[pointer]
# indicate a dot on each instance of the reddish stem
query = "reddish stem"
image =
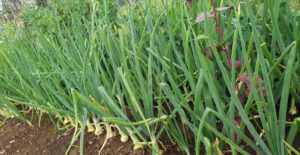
(216, 18)
(219, 29)
(224, 49)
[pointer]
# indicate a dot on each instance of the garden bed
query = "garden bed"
(208, 77)
(17, 137)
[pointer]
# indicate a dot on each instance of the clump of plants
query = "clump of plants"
(213, 76)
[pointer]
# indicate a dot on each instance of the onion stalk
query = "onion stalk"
(66, 120)
(98, 128)
(124, 136)
(72, 121)
(110, 133)
(135, 140)
(90, 126)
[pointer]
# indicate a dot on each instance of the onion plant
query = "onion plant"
(211, 75)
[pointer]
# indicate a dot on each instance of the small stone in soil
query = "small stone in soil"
(2, 151)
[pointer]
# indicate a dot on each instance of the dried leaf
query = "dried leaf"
(201, 17)
(259, 82)
(222, 8)
(238, 63)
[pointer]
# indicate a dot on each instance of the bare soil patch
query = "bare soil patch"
(18, 138)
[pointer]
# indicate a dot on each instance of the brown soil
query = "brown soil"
(18, 138)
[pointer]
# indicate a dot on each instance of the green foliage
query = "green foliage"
(41, 19)
(143, 67)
